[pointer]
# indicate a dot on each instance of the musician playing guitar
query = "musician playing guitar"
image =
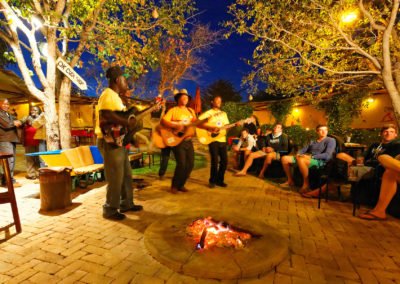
(217, 148)
(178, 119)
(117, 169)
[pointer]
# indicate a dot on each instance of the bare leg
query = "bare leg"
(345, 157)
(286, 161)
(390, 163)
(249, 162)
(388, 190)
(268, 160)
(304, 162)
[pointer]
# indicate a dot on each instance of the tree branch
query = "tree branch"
(370, 18)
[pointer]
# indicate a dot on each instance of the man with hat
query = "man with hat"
(179, 118)
(117, 169)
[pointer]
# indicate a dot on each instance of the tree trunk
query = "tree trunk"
(64, 110)
(393, 93)
(51, 123)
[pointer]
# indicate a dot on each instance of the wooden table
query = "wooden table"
(9, 195)
(352, 148)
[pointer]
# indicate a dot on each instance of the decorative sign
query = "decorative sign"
(64, 67)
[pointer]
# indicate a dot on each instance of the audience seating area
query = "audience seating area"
(86, 163)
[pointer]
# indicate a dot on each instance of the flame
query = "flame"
(209, 233)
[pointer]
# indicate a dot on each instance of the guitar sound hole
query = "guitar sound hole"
(213, 135)
(180, 134)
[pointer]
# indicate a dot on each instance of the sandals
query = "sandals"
(370, 216)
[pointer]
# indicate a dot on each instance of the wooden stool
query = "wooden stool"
(9, 196)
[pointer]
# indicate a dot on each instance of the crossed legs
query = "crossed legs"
(390, 178)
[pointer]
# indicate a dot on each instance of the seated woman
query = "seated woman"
(275, 143)
(390, 179)
(246, 145)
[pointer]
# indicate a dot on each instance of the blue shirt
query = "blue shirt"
(322, 150)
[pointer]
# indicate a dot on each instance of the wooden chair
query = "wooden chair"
(9, 195)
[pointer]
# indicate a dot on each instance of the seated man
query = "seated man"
(317, 153)
(390, 179)
(388, 133)
(246, 145)
(275, 143)
(387, 145)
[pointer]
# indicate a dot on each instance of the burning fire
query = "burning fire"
(208, 233)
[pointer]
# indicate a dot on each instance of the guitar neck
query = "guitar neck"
(146, 111)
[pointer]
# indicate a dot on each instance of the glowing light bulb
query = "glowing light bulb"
(349, 17)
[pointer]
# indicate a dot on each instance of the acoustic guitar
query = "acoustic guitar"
(121, 135)
(206, 137)
(164, 136)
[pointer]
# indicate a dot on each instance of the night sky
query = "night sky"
(224, 61)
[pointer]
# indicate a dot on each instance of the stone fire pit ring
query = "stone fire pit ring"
(167, 241)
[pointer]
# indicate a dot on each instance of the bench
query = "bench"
(84, 169)
(86, 162)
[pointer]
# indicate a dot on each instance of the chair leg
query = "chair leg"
(319, 196)
(326, 190)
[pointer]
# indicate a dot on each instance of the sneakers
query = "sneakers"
(135, 208)
(183, 189)
(116, 217)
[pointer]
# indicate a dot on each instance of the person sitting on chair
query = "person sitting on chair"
(387, 145)
(390, 179)
(246, 145)
(316, 153)
(388, 134)
(275, 143)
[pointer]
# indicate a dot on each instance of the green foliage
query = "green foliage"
(303, 48)
(341, 109)
(299, 135)
(223, 88)
(236, 112)
(281, 109)
(365, 136)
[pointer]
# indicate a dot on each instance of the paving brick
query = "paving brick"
(95, 278)
(41, 278)
(327, 245)
(47, 267)
(73, 277)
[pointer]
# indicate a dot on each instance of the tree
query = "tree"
(313, 46)
(180, 57)
(115, 31)
(223, 88)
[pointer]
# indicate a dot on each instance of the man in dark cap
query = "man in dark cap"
(117, 168)
(178, 118)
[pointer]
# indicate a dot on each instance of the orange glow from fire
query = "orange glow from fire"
(209, 233)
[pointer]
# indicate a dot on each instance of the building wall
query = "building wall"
(81, 115)
(374, 115)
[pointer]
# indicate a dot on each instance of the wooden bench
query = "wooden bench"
(86, 163)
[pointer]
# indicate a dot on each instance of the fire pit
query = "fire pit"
(187, 244)
(209, 233)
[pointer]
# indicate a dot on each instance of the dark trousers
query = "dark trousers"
(218, 152)
(164, 158)
(184, 156)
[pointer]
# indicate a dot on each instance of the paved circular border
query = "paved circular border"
(166, 241)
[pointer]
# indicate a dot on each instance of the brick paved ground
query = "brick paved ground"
(77, 245)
